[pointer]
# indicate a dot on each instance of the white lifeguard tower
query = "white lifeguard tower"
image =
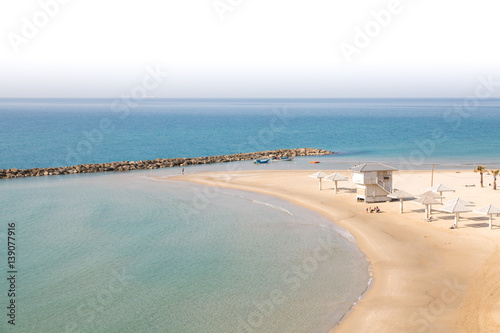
(373, 181)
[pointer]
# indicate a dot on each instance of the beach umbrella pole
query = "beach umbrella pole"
(320, 184)
(336, 189)
(401, 206)
(491, 220)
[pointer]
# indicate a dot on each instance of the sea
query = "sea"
(138, 252)
(416, 132)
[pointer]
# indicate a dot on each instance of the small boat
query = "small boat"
(286, 158)
(261, 161)
(313, 161)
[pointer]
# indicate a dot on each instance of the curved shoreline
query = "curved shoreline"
(363, 294)
(158, 163)
(414, 263)
(370, 265)
(340, 231)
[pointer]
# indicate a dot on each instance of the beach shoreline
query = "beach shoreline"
(426, 277)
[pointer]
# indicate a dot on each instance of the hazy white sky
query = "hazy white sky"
(248, 48)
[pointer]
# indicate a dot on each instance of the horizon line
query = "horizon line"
(250, 98)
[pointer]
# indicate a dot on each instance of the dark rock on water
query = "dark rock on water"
(159, 163)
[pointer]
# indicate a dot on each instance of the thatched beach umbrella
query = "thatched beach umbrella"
(427, 199)
(441, 188)
(456, 209)
(319, 175)
(401, 195)
(336, 177)
(488, 210)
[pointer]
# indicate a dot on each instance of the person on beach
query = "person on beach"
(182, 170)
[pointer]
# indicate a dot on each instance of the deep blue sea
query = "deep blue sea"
(129, 252)
(43, 133)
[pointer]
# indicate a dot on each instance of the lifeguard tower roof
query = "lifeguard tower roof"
(369, 167)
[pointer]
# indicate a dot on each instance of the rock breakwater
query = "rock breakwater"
(158, 163)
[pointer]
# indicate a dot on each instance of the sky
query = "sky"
(248, 48)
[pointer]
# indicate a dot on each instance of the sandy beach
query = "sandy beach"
(427, 277)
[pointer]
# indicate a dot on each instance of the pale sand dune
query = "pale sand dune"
(427, 277)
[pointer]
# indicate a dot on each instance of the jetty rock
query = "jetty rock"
(159, 163)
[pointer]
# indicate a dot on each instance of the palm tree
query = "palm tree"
(495, 174)
(480, 169)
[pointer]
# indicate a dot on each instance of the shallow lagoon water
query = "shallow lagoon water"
(129, 253)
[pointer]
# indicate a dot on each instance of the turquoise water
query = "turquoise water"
(130, 253)
(44, 133)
